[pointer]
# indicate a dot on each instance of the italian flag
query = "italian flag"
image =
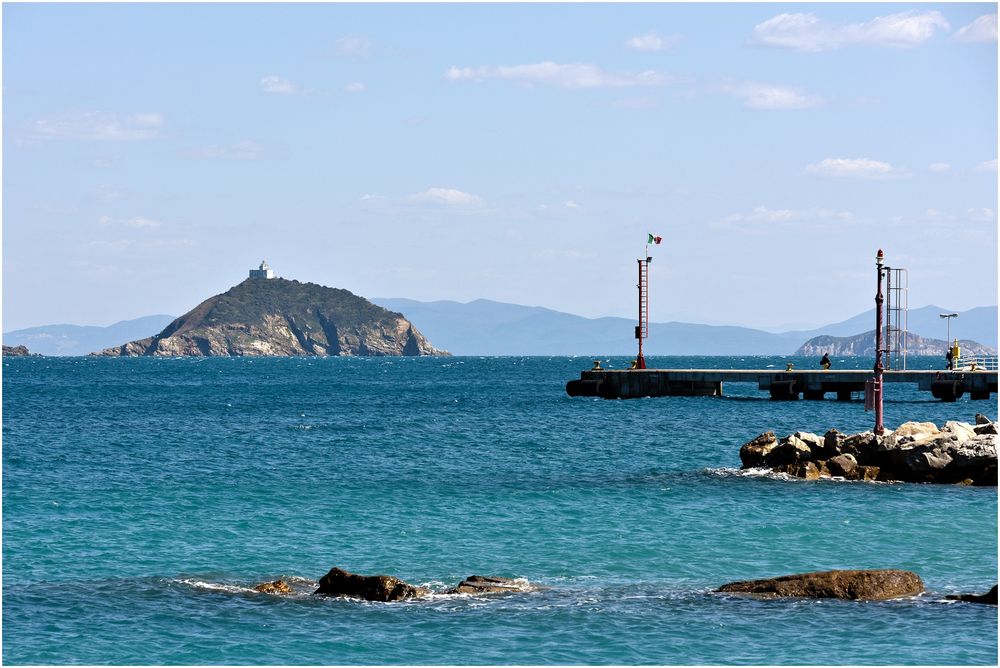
(654, 240)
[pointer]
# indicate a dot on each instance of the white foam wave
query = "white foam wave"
(216, 586)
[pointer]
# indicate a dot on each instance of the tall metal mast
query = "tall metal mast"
(877, 385)
(642, 329)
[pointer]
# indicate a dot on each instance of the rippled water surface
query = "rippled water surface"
(144, 498)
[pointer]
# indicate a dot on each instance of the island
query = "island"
(269, 316)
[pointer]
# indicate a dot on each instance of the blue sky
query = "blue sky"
(154, 153)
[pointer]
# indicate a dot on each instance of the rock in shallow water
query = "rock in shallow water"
(860, 585)
(276, 587)
(384, 588)
(989, 598)
(482, 584)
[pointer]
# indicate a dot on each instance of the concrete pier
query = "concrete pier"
(781, 385)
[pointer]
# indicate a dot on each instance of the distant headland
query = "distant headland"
(270, 316)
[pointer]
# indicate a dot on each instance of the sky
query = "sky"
(154, 153)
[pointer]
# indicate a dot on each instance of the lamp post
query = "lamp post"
(948, 317)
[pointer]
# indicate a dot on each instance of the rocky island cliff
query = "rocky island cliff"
(280, 317)
(864, 345)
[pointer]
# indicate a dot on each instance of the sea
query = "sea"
(143, 499)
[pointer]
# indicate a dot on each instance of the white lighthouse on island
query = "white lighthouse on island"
(265, 271)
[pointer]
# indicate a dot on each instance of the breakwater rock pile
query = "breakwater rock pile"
(958, 452)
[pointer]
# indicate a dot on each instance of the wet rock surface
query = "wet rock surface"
(854, 585)
(383, 588)
(483, 584)
(989, 598)
(275, 587)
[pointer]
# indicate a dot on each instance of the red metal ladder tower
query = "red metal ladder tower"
(642, 329)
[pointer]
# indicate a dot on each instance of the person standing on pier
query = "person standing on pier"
(825, 362)
(950, 359)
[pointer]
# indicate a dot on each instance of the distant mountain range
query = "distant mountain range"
(484, 327)
(84, 339)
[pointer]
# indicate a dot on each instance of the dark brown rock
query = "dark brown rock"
(817, 448)
(988, 428)
(806, 470)
(831, 444)
(754, 453)
(861, 585)
(383, 588)
(276, 587)
(482, 584)
(862, 446)
(790, 450)
(16, 351)
(989, 598)
(842, 465)
(982, 419)
(864, 473)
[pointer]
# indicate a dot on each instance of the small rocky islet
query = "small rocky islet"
(284, 318)
(920, 452)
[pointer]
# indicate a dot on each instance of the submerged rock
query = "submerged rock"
(483, 584)
(860, 585)
(989, 598)
(276, 587)
(384, 588)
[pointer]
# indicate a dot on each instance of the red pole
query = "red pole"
(640, 361)
(879, 427)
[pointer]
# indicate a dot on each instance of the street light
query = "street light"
(948, 317)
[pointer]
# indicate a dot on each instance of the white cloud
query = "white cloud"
(137, 222)
(988, 166)
(241, 150)
(862, 168)
(771, 97)
(447, 197)
(763, 214)
(355, 87)
(352, 46)
(572, 75)
(97, 126)
(140, 221)
(805, 32)
(277, 85)
(983, 29)
(652, 42)
(107, 193)
(939, 167)
(570, 204)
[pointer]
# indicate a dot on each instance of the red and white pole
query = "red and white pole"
(877, 387)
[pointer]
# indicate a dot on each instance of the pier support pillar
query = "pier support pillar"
(784, 390)
(813, 395)
(843, 395)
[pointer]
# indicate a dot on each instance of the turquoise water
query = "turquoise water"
(144, 498)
